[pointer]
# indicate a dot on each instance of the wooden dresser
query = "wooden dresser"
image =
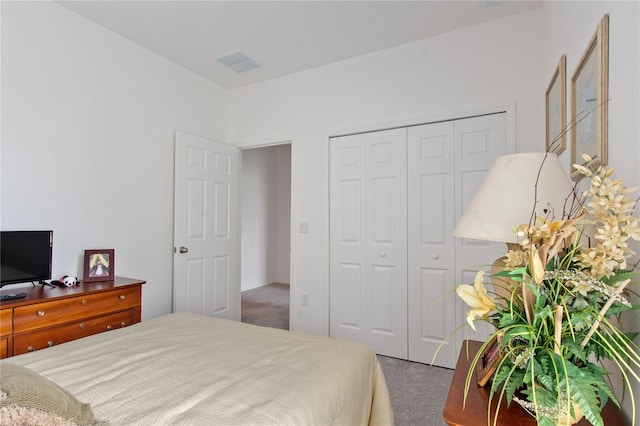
(50, 316)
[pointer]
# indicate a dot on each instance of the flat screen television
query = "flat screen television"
(25, 256)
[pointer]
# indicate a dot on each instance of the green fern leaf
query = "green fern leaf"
(619, 276)
(574, 349)
(515, 382)
(584, 394)
(546, 421)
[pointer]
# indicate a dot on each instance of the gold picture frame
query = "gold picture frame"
(556, 109)
(589, 101)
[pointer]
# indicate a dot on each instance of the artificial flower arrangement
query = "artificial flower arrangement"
(556, 304)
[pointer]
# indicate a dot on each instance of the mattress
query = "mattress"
(189, 369)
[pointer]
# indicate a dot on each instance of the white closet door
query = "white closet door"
(387, 242)
(395, 198)
(478, 142)
(368, 242)
(431, 269)
(347, 235)
(446, 164)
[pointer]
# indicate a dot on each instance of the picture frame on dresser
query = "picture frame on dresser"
(590, 102)
(99, 265)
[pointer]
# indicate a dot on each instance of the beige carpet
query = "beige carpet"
(418, 391)
(267, 306)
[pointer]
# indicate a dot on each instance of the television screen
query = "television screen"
(25, 256)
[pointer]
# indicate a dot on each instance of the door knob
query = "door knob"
(435, 257)
(183, 249)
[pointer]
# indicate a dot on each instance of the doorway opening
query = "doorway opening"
(266, 235)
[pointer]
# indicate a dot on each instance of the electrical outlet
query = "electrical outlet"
(305, 299)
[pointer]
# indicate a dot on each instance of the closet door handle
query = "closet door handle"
(383, 254)
(435, 257)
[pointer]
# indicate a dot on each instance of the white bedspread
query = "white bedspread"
(188, 369)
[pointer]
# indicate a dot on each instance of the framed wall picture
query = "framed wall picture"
(488, 361)
(589, 101)
(556, 109)
(99, 265)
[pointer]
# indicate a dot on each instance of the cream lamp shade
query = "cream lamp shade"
(514, 185)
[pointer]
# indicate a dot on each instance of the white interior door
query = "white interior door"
(368, 294)
(431, 270)
(206, 229)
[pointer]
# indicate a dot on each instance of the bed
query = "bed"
(189, 369)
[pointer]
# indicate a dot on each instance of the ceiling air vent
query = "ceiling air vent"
(238, 61)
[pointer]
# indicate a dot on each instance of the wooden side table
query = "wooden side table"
(473, 412)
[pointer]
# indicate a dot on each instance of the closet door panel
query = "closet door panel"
(431, 258)
(381, 291)
(387, 242)
(434, 196)
(350, 295)
(478, 142)
(432, 327)
(347, 257)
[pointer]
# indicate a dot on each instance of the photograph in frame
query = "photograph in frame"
(589, 101)
(488, 361)
(556, 109)
(99, 265)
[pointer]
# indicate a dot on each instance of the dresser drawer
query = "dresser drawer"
(47, 314)
(33, 341)
(6, 321)
(4, 347)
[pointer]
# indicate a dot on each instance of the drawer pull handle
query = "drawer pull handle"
(40, 313)
(50, 343)
(109, 327)
(81, 325)
(31, 349)
(122, 296)
(123, 324)
(84, 302)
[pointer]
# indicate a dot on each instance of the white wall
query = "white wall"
(265, 229)
(87, 141)
(568, 28)
(441, 77)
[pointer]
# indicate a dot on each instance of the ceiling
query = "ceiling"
(284, 37)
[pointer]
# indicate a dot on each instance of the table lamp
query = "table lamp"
(517, 189)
